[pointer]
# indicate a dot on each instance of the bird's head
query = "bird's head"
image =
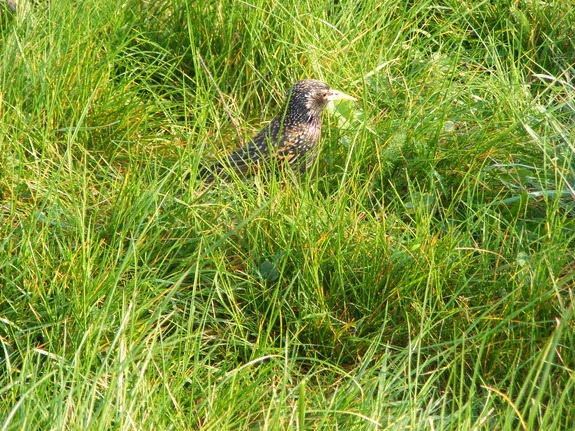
(310, 96)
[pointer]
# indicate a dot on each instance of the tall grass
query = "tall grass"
(420, 277)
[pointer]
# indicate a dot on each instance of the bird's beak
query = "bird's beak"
(338, 95)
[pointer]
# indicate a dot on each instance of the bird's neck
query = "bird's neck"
(291, 116)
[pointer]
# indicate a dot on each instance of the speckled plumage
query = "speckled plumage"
(290, 138)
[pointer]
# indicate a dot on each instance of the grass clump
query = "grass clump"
(421, 277)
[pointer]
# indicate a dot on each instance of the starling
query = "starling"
(290, 138)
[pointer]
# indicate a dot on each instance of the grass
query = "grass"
(421, 277)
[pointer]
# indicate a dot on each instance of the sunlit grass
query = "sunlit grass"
(420, 277)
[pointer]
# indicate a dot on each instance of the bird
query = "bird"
(291, 138)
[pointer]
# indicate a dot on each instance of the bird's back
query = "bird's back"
(279, 142)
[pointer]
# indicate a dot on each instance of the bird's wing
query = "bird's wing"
(299, 146)
(272, 144)
(267, 147)
(247, 159)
